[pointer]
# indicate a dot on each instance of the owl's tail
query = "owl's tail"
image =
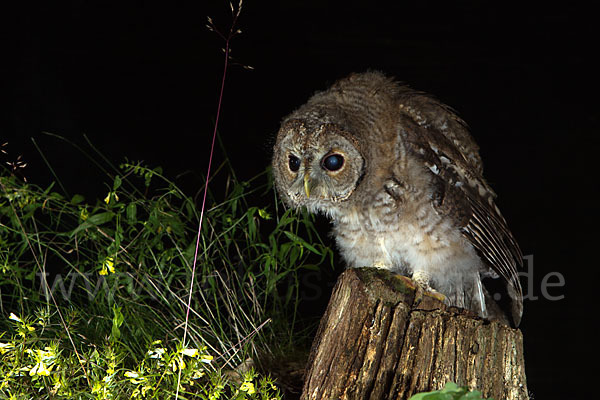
(471, 295)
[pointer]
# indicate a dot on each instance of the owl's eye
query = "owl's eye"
(333, 162)
(294, 163)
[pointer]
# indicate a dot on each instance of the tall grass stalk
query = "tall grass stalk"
(208, 170)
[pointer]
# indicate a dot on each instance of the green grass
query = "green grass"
(93, 294)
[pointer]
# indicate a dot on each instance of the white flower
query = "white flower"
(15, 318)
(191, 352)
(133, 377)
(157, 352)
(131, 374)
(40, 369)
(6, 347)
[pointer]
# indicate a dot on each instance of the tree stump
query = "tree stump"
(376, 342)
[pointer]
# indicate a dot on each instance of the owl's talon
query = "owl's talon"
(381, 265)
(422, 279)
(406, 281)
(427, 290)
(436, 295)
(421, 290)
(419, 293)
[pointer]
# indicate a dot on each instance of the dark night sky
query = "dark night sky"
(141, 80)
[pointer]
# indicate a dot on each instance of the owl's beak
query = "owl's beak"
(307, 185)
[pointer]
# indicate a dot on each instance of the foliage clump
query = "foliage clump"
(94, 294)
(450, 392)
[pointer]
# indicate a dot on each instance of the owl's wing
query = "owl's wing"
(442, 139)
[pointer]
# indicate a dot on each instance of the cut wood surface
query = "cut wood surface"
(376, 341)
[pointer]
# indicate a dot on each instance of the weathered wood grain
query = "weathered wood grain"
(376, 341)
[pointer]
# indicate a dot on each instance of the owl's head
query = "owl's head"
(316, 164)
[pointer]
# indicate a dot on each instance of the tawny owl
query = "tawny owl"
(400, 177)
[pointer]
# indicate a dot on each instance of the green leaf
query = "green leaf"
(131, 213)
(94, 220)
(451, 387)
(474, 395)
(48, 189)
(297, 239)
(419, 396)
(117, 183)
(77, 199)
(436, 395)
(100, 218)
(117, 321)
(451, 391)
(264, 214)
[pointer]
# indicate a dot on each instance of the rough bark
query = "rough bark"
(377, 342)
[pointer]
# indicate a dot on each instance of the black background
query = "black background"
(141, 80)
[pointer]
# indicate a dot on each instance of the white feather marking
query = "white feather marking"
(434, 169)
(481, 190)
(480, 298)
